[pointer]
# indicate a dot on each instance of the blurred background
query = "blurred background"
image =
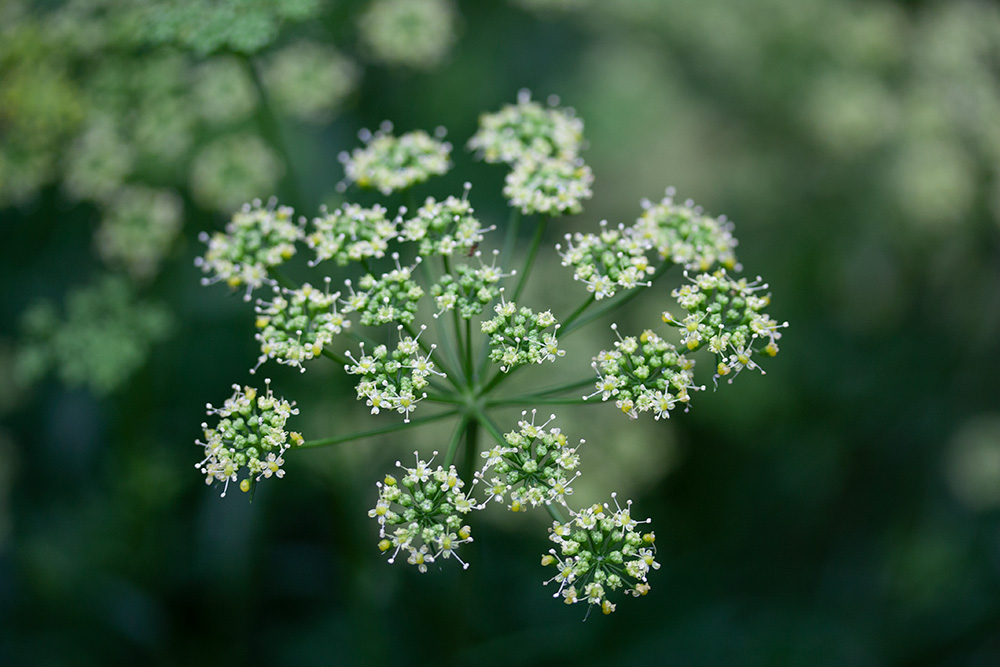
(844, 508)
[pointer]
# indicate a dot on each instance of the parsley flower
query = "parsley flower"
(422, 514)
(255, 240)
(388, 163)
(249, 438)
(536, 466)
(297, 324)
(600, 550)
(519, 336)
(528, 129)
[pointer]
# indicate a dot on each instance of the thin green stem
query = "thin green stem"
(510, 239)
(282, 279)
(389, 428)
(471, 448)
(342, 360)
(456, 437)
(361, 338)
(555, 513)
(470, 368)
(529, 261)
(460, 345)
(537, 400)
(452, 354)
(445, 398)
(487, 423)
(495, 381)
(578, 312)
(559, 388)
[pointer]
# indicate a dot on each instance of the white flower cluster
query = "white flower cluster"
(391, 298)
(388, 163)
(606, 262)
(421, 514)
(527, 129)
(726, 316)
(534, 466)
(351, 233)
(392, 381)
(297, 324)
(250, 435)
(542, 147)
(551, 186)
(600, 550)
(470, 289)
(255, 239)
(441, 228)
(644, 374)
(683, 234)
(518, 336)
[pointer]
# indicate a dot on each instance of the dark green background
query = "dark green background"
(804, 517)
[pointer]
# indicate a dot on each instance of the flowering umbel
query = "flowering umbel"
(249, 440)
(429, 324)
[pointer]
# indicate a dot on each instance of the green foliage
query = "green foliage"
(244, 26)
(101, 339)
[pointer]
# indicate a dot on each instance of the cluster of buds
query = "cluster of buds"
(644, 374)
(441, 228)
(471, 288)
(600, 550)
(683, 234)
(606, 262)
(518, 336)
(297, 324)
(391, 298)
(391, 381)
(388, 163)
(726, 316)
(250, 438)
(422, 514)
(351, 233)
(527, 129)
(550, 186)
(542, 147)
(533, 466)
(255, 240)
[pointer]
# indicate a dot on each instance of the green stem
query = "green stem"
(282, 279)
(470, 368)
(389, 428)
(558, 389)
(495, 381)
(537, 400)
(456, 437)
(491, 427)
(555, 513)
(578, 312)
(453, 356)
(460, 346)
(510, 240)
(361, 338)
(343, 361)
(444, 398)
(529, 262)
(471, 449)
